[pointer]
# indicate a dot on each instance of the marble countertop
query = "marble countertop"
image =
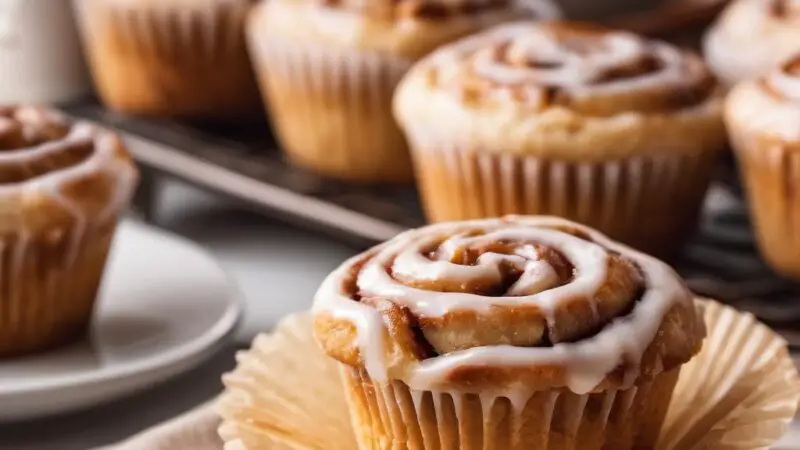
(278, 269)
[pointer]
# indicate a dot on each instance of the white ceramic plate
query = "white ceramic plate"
(164, 307)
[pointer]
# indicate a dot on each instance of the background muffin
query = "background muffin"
(581, 9)
(752, 37)
(507, 334)
(328, 69)
(602, 127)
(184, 58)
(63, 188)
(762, 117)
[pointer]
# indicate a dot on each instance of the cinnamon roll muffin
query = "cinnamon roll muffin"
(752, 37)
(762, 117)
(184, 58)
(328, 69)
(513, 333)
(602, 127)
(63, 188)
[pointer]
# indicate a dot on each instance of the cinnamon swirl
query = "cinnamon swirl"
(752, 37)
(182, 58)
(328, 69)
(512, 333)
(62, 187)
(603, 127)
(762, 117)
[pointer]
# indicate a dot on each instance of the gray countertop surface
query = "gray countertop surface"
(278, 269)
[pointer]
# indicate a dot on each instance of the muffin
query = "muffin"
(762, 117)
(182, 58)
(328, 69)
(63, 187)
(752, 37)
(513, 333)
(602, 127)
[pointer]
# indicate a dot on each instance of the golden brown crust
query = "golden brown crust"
(561, 90)
(413, 337)
(184, 58)
(408, 29)
(54, 174)
(420, 9)
(679, 338)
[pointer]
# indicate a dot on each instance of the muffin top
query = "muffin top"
(407, 28)
(751, 37)
(565, 89)
(768, 106)
(497, 303)
(55, 174)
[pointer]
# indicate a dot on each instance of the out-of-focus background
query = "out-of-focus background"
(276, 229)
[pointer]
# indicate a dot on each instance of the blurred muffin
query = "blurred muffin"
(184, 58)
(583, 10)
(762, 117)
(63, 188)
(752, 37)
(328, 68)
(602, 127)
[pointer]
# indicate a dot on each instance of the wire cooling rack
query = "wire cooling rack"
(243, 162)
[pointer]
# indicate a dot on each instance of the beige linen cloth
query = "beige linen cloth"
(197, 430)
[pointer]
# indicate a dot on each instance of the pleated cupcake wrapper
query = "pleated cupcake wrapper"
(48, 290)
(203, 30)
(771, 174)
(385, 414)
(740, 392)
(651, 202)
(179, 52)
(331, 106)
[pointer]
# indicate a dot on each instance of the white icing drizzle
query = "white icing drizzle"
(458, 404)
(788, 84)
(627, 399)
(550, 405)
(529, 57)
(417, 397)
(590, 261)
(487, 403)
(519, 399)
(103, 161)
(608, 404)
(438, 397)
(587, 362)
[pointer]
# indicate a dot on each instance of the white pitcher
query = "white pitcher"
(40, 55)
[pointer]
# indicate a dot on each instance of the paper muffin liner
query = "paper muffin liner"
(170, 58)
(386, 414)
(49, 285)
(261, 414)
(331, 107)
(740, 392)
(650, 202)
(770, 174)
